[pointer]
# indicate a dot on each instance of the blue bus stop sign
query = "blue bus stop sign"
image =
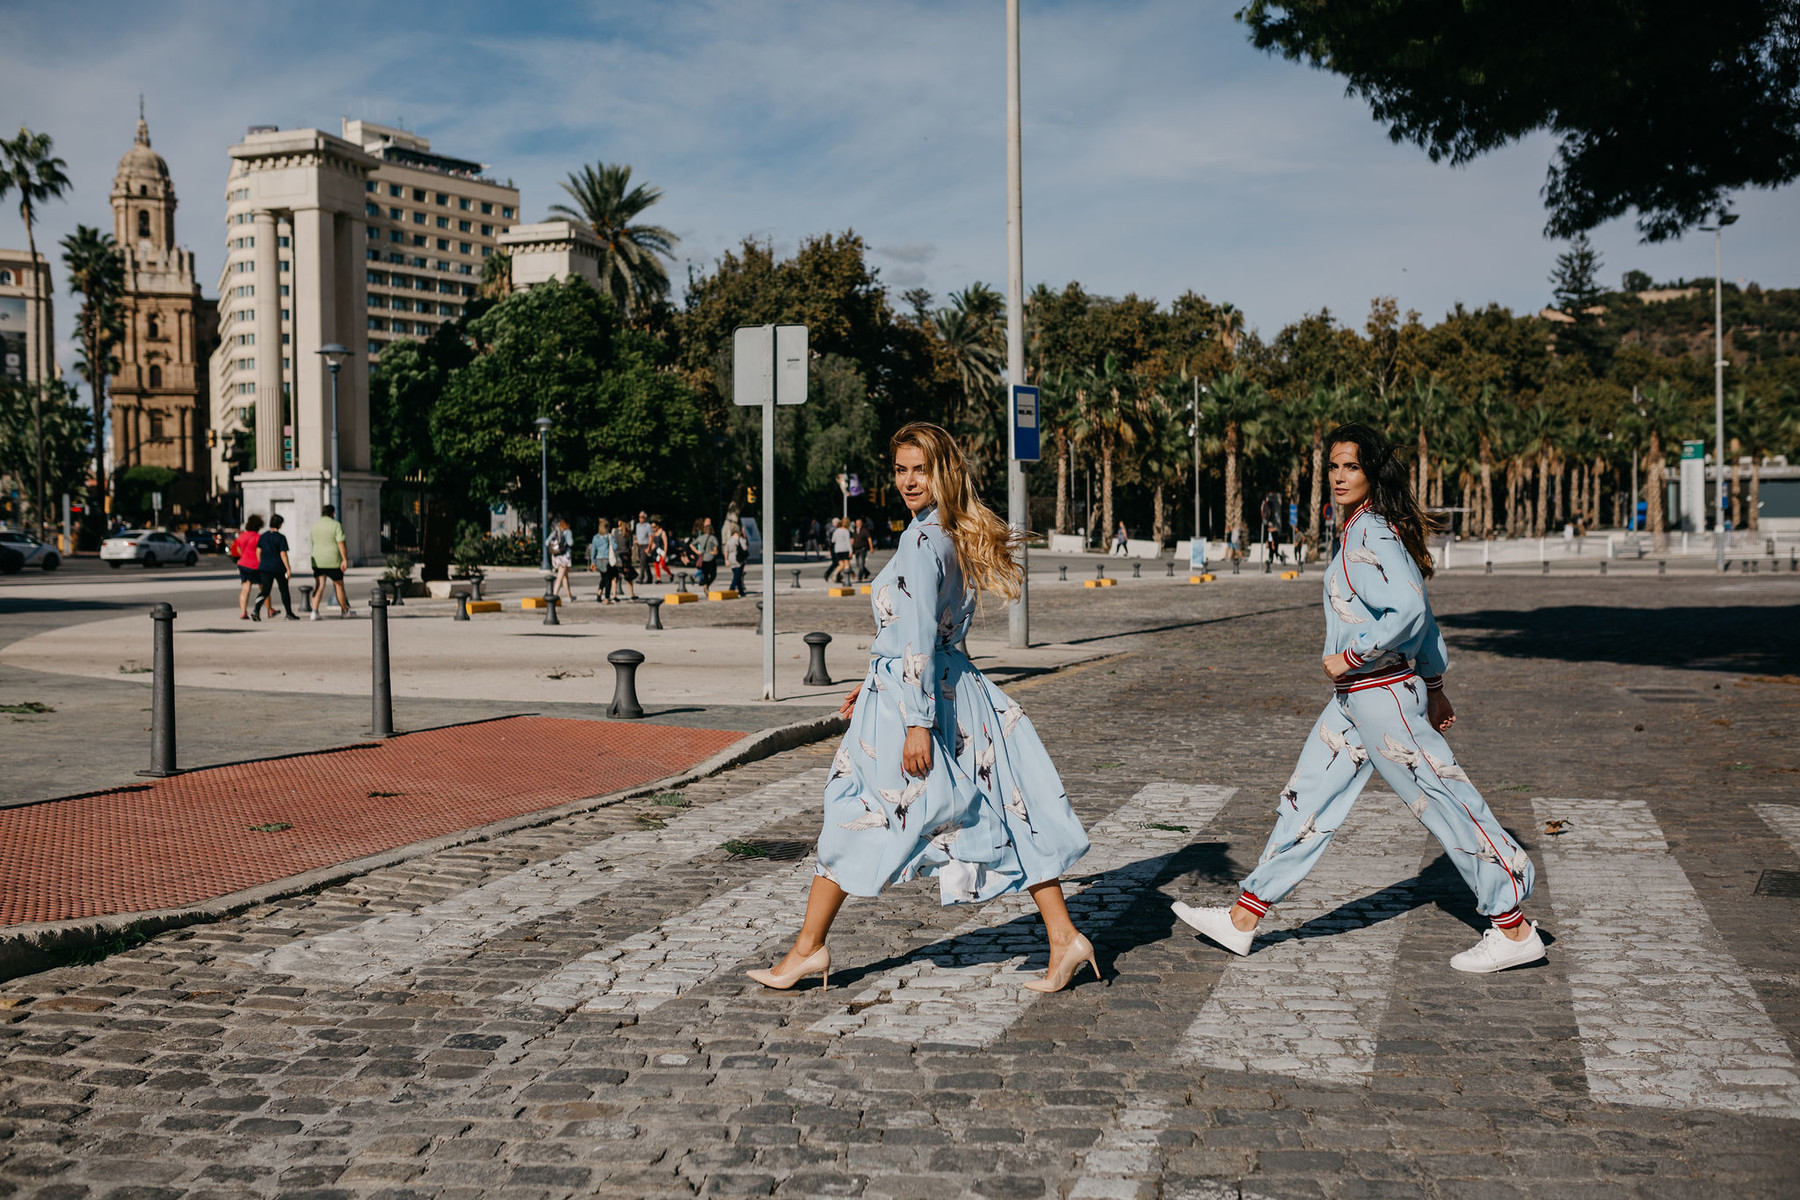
(1025, 447)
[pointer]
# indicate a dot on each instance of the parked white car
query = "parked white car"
(34, 552)
(152, 547)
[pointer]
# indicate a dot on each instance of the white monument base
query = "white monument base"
(299, 495)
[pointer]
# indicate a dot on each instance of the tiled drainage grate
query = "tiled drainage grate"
(1779, 883)
(1669, 695)
(771, 850)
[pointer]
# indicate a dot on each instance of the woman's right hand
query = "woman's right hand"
(849, 703)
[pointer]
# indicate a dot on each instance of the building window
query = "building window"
(402, 304)
(155, 382)
(443, 199)
(395, 189)
(374, 234)
(443, 265)
(463, 227)
(286, 266)
(284, 292)
(487, 231)
(464, 248)
(466, 269)
(143, 223)
(462, 202)
(373, 255)
(284, 242)
(486, 207)
(370, 185)
(377, 301)
(419, 195)
(443, 243)
(417, 261)
(6, 278)
(372, 210)
(374, 322)
(420, 239)
(396, 236)
(418, 218)
(443, 222)
(156, 417)
(396, 258)
(150, 327)
(377, 277)
(286, 313)
(506, 211)
(375, 346)
(396, 214)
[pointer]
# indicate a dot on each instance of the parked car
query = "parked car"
(151, 547)
(205, 541)
(33, 552)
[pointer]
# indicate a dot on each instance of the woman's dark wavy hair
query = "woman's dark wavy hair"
(1390, 488)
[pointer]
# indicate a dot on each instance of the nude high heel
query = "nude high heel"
(819, 960)
(1080, 951)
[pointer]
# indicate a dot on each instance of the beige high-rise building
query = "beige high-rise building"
(159, 390)
(432, 222)
(26, 312)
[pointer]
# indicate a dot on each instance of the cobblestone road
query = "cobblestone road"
(562, 1011)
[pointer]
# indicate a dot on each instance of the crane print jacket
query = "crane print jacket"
(1376, 611)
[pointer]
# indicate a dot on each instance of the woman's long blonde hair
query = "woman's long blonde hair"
(986, 546)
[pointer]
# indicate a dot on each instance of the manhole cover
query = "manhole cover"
(774, 851)
(1779, 883)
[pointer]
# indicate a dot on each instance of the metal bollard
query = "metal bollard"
(816, 674)
(1062, 574)
(1236, 563)
(475, 588)
(1099, 570)
(1171, 566)
(162, 693)
(381, 691)
(653, 604)
(681, 581)
(625, 702)
(1662, 567)
(1487, 568)
(1268, 564)
(462, 606)
(1603, 566)
(1137, 570)
(795, 572)
(1546, 568)
(306, 591)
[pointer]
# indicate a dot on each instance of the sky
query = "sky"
(1161, 152)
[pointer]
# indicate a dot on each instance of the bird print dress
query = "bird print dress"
(991, 815)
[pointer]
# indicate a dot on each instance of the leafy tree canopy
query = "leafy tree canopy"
(1661, 107)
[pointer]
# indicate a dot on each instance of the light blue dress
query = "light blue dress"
(991, 816)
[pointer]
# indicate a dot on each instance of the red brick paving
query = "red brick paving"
(178, 841)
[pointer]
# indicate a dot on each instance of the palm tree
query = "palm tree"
(28, 167)
(1541, 431)
(96, 273)
(496, 276)
(1318, 411)
(1424, 407)
(1056, 409)
(606, 204)
(1661, 413)
(1108, 418)
(1240, 405)
(1165, 455)
(1755, 425)
(1228, 327)
(970, 341)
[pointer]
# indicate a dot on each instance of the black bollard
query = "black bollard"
(1099, 570)
(681, 581)
(653, 605)
(1137, 570)
(550, 603)
(306, 592)
(625, 702)
(795, 572)
(462, 606)
(816, 674)
(1236, 564)
(1171, 566)
(1546, 567)
(475, 588)
(1487, 568)
(162, 693)
(381, 691)
(1662, 567)
(1062, 574)
(1603, 566)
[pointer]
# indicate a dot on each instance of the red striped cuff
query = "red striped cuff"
(1433, 683)
(1353, 658)
(1512, 918)
(1249, 901)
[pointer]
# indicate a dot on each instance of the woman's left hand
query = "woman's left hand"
(1439, 711)
(1336, 666)
(849, 703)
(915, 756)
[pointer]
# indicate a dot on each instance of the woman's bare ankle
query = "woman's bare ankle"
(1240, 915)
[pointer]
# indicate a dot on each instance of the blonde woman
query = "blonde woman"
(940, 773)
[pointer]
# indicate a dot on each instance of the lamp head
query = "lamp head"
(333, 354)
(543, 424)
(1728, 219)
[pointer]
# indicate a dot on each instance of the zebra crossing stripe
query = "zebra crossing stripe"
(966, 990)
(1667, 1018)
(1309, 1000)
(1784, 819)
(395, 944)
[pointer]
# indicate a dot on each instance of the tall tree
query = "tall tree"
(607, 204)
(96, 273)
(1459, 80)
(1240, 403)
(1575, 287)
(1660, 416)
(28, 167)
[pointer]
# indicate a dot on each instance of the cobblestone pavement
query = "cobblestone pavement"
(562, 1011)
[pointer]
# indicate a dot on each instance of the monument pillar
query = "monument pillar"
(270, 415)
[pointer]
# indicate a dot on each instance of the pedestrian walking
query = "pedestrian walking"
(1386, 660)
(329, 557)
(243, 552)
(273, 569)
(561, 544)
(839, 535)
(862, 541)
(706, 553)
(626, 555)
(940, 773)
(737, 554)
(659, 550)
(640, 535)
(1121, 547)
(601, 558)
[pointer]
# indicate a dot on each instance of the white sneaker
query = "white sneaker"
(1496, 952)
(1215, 922)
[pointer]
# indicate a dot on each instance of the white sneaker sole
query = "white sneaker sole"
(1492, 968)
(1201, 922)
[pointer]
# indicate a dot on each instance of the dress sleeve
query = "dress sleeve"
(919, 579)
(1388, 581)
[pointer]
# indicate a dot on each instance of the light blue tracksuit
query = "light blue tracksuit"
(1377, 614)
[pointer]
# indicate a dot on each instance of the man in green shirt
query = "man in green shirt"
(329, 557)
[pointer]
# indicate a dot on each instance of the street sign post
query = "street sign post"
(1025, 441)
(768, 367)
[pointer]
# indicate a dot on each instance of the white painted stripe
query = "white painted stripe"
(1667, 1018)
(965, 990)
(1784, 819)
(1309, 999)
(401, 942)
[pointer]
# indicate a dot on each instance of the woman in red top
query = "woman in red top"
(243, 549)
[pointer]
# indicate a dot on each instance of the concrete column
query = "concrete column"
(352, 331)
(317, 286)
(268, 344)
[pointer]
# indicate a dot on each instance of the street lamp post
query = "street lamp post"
(334, 356)
(1718, 232)
(543, 428)
(1194, 407)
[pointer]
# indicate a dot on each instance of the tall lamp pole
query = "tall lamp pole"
(1718, 232)
(1018, 506)
(543, 428)
(334, 356)
(1194, 407)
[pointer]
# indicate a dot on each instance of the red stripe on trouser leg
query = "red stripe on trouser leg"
(1510, 919)
(1251, 903)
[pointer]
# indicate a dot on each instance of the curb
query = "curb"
(27, 949)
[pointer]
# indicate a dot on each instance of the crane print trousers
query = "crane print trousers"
(1382, 727)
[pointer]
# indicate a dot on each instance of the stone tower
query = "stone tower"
(158, 418)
